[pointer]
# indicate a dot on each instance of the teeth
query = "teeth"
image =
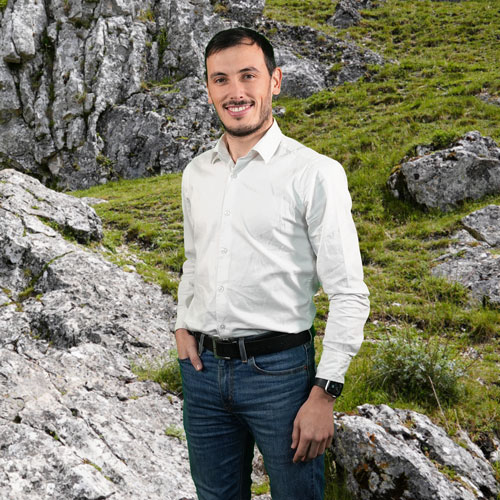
(238, 109)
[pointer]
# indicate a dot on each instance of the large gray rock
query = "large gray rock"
(96, 91)
(484, 224)
(75, 422)
(347, 12)
(470, 259)
(470, 169)
(400, 454)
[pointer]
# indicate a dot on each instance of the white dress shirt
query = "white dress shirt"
(260, 235)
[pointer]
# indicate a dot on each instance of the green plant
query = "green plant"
(3, 4)
(164, 371)
(176, 432)
(423, 370)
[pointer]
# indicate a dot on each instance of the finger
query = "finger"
(301, 452)
(322, 447)
(329, 442)
(312, 452)
(295, 436)
(196, 361)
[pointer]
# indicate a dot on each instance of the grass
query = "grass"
(445, 56)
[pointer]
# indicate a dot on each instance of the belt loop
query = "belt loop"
(243, 351)
(200, 344)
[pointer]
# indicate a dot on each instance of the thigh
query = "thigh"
(220, 445)
(276, 386)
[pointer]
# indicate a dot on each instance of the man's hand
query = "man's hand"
(313, 426)
(187, 347)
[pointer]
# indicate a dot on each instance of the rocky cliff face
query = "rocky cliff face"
(95, 90)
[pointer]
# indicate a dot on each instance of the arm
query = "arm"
(334, 240)
(186, 343)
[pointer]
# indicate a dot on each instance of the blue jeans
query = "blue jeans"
(231, 405)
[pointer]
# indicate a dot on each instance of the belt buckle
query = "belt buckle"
(214, 347)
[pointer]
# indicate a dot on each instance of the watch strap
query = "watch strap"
(332, 388)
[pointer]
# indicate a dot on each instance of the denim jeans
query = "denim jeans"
(231, 405)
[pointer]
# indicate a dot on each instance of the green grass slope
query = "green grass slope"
(444, 353)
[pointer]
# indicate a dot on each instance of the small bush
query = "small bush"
(415, 368)
(164, 371)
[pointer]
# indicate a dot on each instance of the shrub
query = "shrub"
(164, 371)
(422, 370)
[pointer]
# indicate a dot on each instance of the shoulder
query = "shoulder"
(311, 164)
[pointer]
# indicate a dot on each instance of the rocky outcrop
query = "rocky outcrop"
(75, 422)
(95, 91)
(387, 453)
(470, 169)
(347, 12)
(471, 259)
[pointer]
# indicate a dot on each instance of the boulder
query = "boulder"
(387, 453)
(75, 421)
(245, 12)
(471, 259)
(470, 169)
(347, 12)
(484, 224)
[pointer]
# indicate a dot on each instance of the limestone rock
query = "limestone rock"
(471, 261)
(347, 12)
(245, 12)
(75, 422)
(401, 454)
(484, 224)
(470, 169)
(97, 91)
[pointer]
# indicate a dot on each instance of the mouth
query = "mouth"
(238, 109)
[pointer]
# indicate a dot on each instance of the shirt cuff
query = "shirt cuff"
(333, 366)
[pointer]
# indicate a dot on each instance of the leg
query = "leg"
(220, 444)
(275, 387)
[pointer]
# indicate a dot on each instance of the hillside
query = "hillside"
(443, 80)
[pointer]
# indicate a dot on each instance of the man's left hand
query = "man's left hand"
(313, 426)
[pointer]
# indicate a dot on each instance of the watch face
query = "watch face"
(334, 388)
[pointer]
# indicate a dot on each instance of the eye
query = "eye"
(248, 76)
(219, 79)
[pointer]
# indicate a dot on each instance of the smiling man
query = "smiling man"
(266, 221)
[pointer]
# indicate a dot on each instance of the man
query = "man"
(266, 220)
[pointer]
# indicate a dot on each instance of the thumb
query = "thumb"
(195, 361)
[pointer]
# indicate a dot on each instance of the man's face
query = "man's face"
(241, 89)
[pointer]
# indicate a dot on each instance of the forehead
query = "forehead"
(235, 58)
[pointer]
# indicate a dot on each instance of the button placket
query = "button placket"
(224, 255)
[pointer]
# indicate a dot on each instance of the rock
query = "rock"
(470, 169)
(245, 12)
(97, 91)
(75, 421)
(347, 12)
(400, 454)
(470, 261)
(484, 224)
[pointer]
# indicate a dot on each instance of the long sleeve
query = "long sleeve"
(186, 285)
(338, 264)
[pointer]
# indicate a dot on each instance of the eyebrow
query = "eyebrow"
(243, 70)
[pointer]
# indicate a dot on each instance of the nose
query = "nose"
(236, 91)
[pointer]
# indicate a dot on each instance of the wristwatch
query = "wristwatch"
(331, 388)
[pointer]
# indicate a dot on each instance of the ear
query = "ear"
(276, 81)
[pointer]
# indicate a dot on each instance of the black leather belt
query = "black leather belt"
(267, 344)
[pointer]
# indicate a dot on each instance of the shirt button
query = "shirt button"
(220, 289)
(223, 251)
(227, 212)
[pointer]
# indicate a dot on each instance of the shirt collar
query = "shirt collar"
(266, 147)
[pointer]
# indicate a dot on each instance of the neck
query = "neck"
(240, 146)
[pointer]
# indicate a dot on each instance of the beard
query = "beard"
(246, 130)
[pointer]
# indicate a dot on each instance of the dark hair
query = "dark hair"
(236, 36)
